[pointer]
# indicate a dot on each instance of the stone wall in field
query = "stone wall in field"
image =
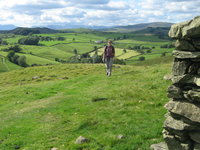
(182, 124)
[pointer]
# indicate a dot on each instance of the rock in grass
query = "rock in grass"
(35, 77)
(167, 77)
(159, 146)
(120, 136)
(54, 148)
(81, 140)
(99, 99)
(17, 147)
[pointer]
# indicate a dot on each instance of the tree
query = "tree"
(15, 59)
(29, 40)
(57, 59)
(149, 51)
(142, 58)
(15, 48)
(163, 54)
(60, 38)
(22, 61)
(95, 48)
(75, 51)
(124, 50)
(10, 55)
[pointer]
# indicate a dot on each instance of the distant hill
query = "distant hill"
(137, 27)
(78, 30)
(146, 27)
(7, 27)
(68, 26)
(161, 32)
(26, 31)
(153, 30)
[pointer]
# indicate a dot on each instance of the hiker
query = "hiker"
(108, 54)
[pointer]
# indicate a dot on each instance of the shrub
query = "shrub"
(15, 48)
(22, 61)
(163, 54)
(142, 58)
(29, 41)
(18, 60)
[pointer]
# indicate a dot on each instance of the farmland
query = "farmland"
(129, 47)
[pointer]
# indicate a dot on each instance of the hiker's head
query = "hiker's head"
(109, 42)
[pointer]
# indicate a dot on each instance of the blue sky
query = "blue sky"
(29, 13)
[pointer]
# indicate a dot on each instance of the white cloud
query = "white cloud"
(95, 12)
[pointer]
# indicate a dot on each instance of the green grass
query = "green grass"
(148, 57)
(79, 37)
(119, 53)
(6, 65)
(47, 52)
(14, 39)
(56, 108)
(81, 47)
(31, 59)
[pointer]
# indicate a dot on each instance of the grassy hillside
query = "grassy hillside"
(61, 103)
(6, 65)
(119, 53)
(137, 27)
(46, 52)
(31, 59)
(49, 52)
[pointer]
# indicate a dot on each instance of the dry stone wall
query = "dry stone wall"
(182, 124)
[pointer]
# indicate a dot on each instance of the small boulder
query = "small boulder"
(159, 146)
(35, 77)
(54, 148)
(167, 77)
(81, 140)
(120, 136)
(17, 147)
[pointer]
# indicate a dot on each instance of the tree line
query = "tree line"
(34, 40)
(14, 58)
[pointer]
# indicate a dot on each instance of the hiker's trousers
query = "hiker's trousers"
(108, 63)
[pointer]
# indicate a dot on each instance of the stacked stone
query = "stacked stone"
(182, 124)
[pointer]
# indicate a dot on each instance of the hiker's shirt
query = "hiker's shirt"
(109, 51)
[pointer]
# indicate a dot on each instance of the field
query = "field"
(6, 65)
(84, 41)
(119, 53)
(61, 104)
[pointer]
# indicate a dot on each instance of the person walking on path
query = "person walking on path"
(109, 53)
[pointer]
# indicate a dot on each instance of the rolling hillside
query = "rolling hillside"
(146, 43)
(137, 27)
(6, 65)
(50, 106)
